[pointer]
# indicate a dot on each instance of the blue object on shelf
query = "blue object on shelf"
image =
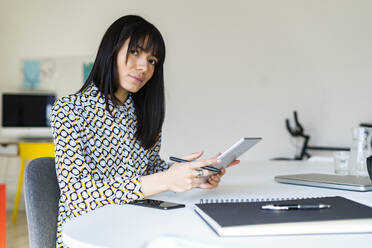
(87, 68)
(31, 74)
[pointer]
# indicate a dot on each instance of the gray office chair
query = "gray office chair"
(41, 197)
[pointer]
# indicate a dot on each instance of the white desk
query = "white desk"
(132, 226)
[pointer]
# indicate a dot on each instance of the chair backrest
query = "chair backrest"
(41, 197)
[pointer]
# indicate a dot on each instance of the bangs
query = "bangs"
(147, 38)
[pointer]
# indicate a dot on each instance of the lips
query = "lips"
(138, 79)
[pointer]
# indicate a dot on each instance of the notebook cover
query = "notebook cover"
(242, 214)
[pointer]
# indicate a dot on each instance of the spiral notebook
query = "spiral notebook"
(247, 218)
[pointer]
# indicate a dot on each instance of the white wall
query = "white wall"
(233, 68)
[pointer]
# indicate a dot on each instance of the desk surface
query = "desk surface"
(133, 226)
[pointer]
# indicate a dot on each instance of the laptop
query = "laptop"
(348, 182)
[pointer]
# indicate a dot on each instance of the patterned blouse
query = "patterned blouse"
(99, 161)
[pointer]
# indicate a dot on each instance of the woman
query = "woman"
(107, 136)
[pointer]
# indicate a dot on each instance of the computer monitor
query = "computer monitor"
(26, 115)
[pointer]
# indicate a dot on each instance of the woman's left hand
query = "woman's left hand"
(214, 180)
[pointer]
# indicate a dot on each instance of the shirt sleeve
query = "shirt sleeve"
(156, 163)
(78, 188)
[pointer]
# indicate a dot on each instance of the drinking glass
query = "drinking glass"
(360, 150)
(341, 162)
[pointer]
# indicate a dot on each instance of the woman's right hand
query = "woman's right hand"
(181, 177)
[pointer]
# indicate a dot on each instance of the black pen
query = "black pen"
(294, 206)
(180, 160)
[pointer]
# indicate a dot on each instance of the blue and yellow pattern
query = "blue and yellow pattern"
(99, 161)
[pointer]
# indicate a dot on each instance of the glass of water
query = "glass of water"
(341, 162)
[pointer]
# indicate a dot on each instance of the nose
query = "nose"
(142, 64)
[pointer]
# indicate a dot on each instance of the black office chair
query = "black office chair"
(41, 197)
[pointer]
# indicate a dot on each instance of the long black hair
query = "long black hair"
(149, 101)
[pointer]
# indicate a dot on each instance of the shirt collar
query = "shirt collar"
(93, 91)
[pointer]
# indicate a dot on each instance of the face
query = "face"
(135, 72)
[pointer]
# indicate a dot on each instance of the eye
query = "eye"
(134, 51)
(153, 61)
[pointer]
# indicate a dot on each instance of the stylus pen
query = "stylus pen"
(180, 160)
(294, 206)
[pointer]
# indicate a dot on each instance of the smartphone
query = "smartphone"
(236, 150)
(158, 204)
